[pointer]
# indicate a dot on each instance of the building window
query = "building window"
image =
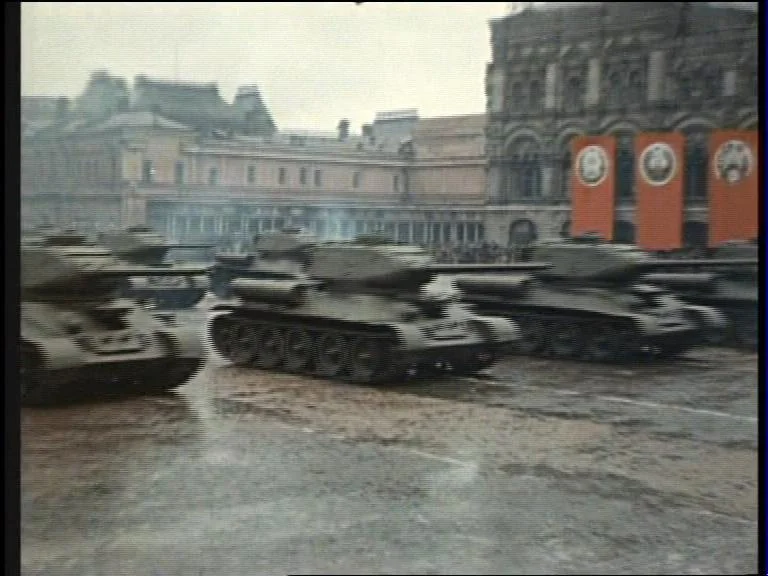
(303, 176)
(530, 179)
(281, 175)
(147, 171)
(712, 87)
(396, 183)
(573, 97)
(516, 96)
(318, 178)
(614, 95)
(179, 173)
(356, 180)
(251, 175)
(213, 176)
(535, 95)
(636, 86)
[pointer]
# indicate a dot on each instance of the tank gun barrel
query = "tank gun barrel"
(483, 268)
(123, 270)
(185, 246)
(702, 263)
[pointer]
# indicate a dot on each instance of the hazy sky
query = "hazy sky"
(315, 63)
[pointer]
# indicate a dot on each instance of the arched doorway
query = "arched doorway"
(522, 232)
(695, 235)
(565, 229)
(624, 232)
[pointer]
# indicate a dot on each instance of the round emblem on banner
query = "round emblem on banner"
(733, 161)
(592, 165)
(658, 163)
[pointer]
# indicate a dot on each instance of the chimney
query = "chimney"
(343, 129)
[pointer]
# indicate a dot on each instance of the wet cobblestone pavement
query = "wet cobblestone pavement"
(537, 467)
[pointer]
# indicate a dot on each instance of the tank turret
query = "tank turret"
(731, 289)
(80, 338)
(283, 254)
(589, 258)
(361, 312)
(594, 301)
(141, 245)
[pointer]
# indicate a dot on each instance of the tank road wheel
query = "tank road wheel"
(368, 360)
(606, 344)
(473, 361)
(332, 354)
(234, 341)
(533, 335)
(565, 340)
(270, 347)
(299, 350)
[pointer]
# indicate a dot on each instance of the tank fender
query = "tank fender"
(710, 318)
(187, 341)
(649, 325)
(59, 353)
(502, 330)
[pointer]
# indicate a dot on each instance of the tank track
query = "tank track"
(602, 340)
(40, 387)
(337, 350)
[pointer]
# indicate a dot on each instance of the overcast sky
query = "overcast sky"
(315, 63)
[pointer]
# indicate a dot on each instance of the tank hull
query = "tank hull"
(357, 338)
(167, 293)
(598, 324)
(70, 355)
(736, 300)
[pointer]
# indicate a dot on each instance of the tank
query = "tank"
(141, 245)
(358, 312)
(593, 301)
(276, 255)
(732, 290)
(80, 339)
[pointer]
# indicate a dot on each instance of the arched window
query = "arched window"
(696, 167)
(523, 171)
(535, 95)
(516, 96)
(614, 88)
(625, 167)
(636, 90)
(522, 232)
(711, 88)
(530, 178)
(573, 97)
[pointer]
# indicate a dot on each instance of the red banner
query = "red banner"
(593, 185)
(733, 200)
(659, 169)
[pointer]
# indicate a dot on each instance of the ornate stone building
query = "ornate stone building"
(414, 180)
(616, 68)
(179, 158)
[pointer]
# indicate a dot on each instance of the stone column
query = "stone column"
(592, 96)
(657, 71)
(495, 181)
(551, 82)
